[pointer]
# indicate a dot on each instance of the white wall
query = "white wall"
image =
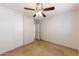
(29, 30)
(37, 31)
(15, 30)
(77, 31)
(11, 29)
(61, 29)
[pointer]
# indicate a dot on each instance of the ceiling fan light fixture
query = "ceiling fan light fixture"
(39, 10)
(39, 13)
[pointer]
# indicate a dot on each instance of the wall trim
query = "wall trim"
(4, 54)
(61, 45)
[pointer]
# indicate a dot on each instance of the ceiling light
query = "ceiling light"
(39, 13)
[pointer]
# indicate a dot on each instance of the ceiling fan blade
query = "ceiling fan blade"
(43, 14)
(48, 9)
(34, 15)
(28, 8)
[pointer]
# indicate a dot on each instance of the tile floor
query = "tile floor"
(42, 48)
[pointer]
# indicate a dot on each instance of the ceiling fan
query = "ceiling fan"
(40, 10)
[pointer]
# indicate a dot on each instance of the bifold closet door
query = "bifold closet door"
(11, 30)
(16, 30)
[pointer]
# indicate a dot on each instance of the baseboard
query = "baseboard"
(78, 50)
(42, 40)
(61, 45)
(28, 43)
(16, 48)
(37, 39)
(10, 50)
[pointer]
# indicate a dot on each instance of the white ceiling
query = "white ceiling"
(59, 8)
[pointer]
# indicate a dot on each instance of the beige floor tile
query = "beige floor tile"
(42, 48)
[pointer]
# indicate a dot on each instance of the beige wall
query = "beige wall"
(77, 31)
(11, 30)
(61, 29)
(15, 30)
(28, 30)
